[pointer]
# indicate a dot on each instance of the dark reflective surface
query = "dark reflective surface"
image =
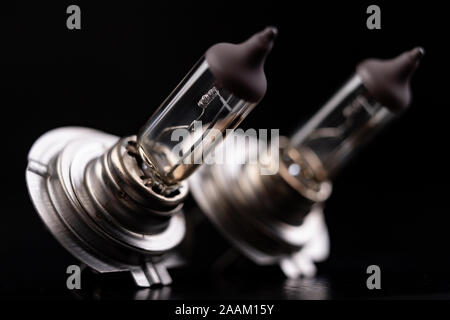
(239, 281)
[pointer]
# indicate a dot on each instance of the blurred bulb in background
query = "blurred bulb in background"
(278, 219)
(377, 93)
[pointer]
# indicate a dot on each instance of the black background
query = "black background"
(389, 206)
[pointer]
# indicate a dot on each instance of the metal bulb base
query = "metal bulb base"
(89, 190)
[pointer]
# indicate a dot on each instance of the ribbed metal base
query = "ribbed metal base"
(87, 187)
(271, 219)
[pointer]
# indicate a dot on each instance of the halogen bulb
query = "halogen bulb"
(370, 99)
(217, 94)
